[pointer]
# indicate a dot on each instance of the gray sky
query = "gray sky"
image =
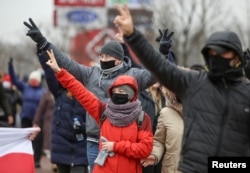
(14, 12)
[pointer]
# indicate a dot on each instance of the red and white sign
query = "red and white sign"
(16, 153)
(86, 47)
(88, 18)
(94, 3)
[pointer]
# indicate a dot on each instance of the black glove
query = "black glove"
(166, 42)
(158, 39)
(246, 56)
(247, 63)
(35, 34)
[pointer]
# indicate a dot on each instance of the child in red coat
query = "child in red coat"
(128, 143)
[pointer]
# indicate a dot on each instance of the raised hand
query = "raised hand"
(52, 61)
(158, 39)
(166, 42)
(10, 62)
(35, 34)
(247, 56)
(124, 20)
(247, 63)
(119, 36)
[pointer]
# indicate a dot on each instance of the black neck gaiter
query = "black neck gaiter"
(220, 69)
(107, 64)
(218, 65)
(119, 98)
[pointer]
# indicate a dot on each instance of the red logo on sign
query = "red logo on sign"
(93, 3)
(86, 46)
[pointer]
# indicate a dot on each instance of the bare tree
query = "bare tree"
(192, 21)
(242, 27)
(23, 58)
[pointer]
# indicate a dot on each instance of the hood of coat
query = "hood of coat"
(225, 39)
(125, 80)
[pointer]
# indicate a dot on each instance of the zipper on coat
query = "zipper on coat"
(224, 82)
(225, 117)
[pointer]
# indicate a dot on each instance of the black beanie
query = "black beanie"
(113, 48)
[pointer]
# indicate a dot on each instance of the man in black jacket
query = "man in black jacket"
(216, 104)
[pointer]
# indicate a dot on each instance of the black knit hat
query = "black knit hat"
(113, 48)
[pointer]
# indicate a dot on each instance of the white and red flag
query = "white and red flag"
(16, 153)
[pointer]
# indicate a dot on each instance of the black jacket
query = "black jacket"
(216, 117)
(5, 110)
(64, 147)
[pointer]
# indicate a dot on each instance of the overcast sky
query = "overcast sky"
(14, 12)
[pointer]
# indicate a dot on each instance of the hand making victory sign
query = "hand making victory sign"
(124, 20)
(52, 61)
(35, 34)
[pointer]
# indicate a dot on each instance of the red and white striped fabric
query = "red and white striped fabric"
(16, 153)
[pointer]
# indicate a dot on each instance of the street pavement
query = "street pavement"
(46, 166)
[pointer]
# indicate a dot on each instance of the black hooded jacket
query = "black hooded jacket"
(226, 39)
(216, 117)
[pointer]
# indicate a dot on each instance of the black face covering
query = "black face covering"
(119, 98)
(218, 65)
(219, 68)
(107, 64)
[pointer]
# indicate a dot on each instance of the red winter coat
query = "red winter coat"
(131, 144)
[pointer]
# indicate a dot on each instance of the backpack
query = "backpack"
(140, 119)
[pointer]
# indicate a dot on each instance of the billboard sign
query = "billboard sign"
(77, 3)
(81, 16)
(89, 18)
(86, 46)
(131, 3)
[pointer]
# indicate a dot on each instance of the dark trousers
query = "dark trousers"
(148, 169)
(152, 168)
(69, 169)
(4, 124)
(37, 143)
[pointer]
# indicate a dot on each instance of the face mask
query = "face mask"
(218, 65)
(219, 68)
(34, 83)
(107, 64)
(119, 98)
(6, 84)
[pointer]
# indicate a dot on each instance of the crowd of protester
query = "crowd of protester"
(157, 117)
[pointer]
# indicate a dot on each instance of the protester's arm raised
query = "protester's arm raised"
(168, 74)
(124, 20)
(79, 71)
(87, 99)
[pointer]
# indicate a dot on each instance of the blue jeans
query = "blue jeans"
(92, 152)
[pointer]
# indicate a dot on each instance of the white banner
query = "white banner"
(16, 153)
